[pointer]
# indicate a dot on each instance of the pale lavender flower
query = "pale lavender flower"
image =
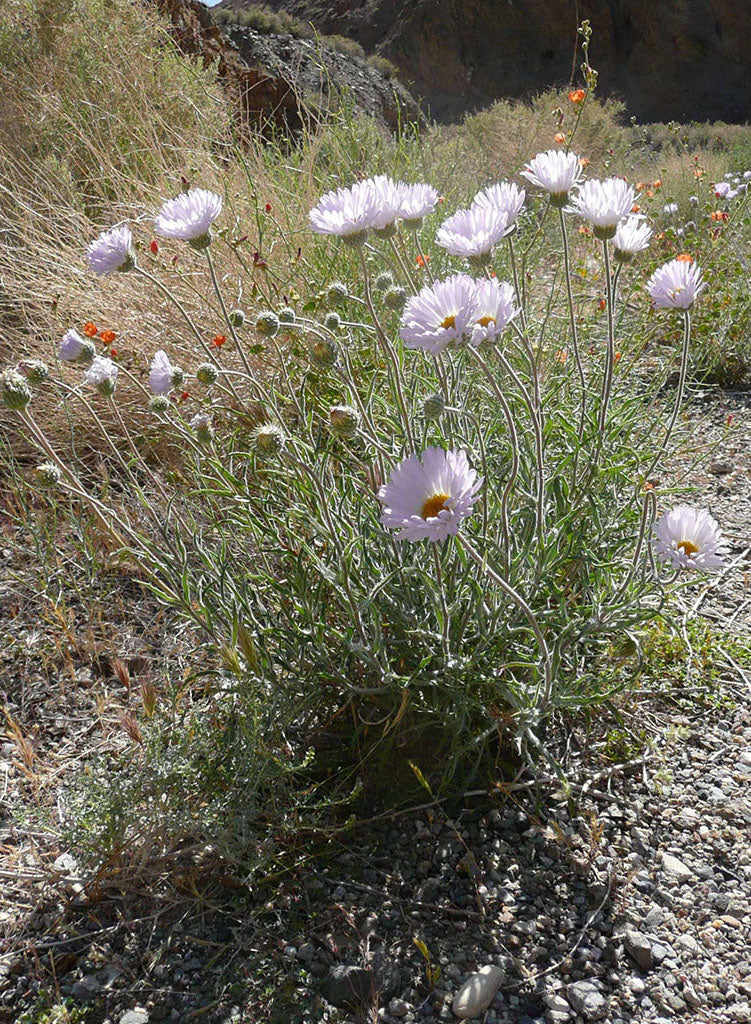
(556, 172)
(689, 538)
(103, 375)
(472, 233)
(189, 216)
(494, 308)
(675, 285)
(670, 209)
(163, 376)
(604, 204)
(632, 236)
(417, 201)
(73, 346)
(387, 199)
(345, 212)
(722, 189)
(111, 251)
(504, 196)
(428, 496)
(439, 314)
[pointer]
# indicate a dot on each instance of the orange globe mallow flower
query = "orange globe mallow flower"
(601, 305)
(635, 208)
(718, 215)
(583, 161)
(639, 186)
(561, 355)
(657, 184)
(219, 340)
(698, 172)
(684, 257)
(108, 337)
(577, 96)
(560, 138)
(422, 261)
(90, 329)
(617, 357)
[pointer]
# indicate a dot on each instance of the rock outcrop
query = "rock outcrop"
(684, 60)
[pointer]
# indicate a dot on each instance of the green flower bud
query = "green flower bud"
(47, 474)
(388, 232)
(201, 423)
(267, 324)
(383, 281)
(602, 234)
(128, 263)
(433, 407)
(237, 318)
(178, 376)
(287, 315)
(202, 242)
(88, 352)
(207, 374)
(159, 404)
(34, 370)
(356, 240)
(337, 292)
(269, 441)
(395, 298)
(16, 390)
(332, 321)
(344, 420)
(323, 353)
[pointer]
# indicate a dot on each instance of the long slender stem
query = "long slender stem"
(228, 318)
(574, 338)
(649, 509)
(678, 397)
(607, 377)
(442, 598)
(515, 275)
(547, 663)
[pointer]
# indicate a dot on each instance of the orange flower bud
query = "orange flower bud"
(560, 138)
(577, 96)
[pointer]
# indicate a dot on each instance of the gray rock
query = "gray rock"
(674, 868)
(348, 986)
(587, 1000)
(639, 948)
(86, 988)
(135, 1016)
(476, 994)
(399, 1008)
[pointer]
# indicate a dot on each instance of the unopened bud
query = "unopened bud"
(433, 407)
(337, 292)
(395, 298)
(344, 420)
(237, 318)
(267, 324)
(287, 315)
(207, 373)
(34, 370)
(178, 376)
(332, 321)
(47, 474)
(16, 390)
(269, 441)
(201, 423)
(323, 353)
(383, 281)
(159, 404)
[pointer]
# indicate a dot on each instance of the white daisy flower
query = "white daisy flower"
(428, 496)
(111, 251)
(417, 201)
(387, 198)
(504, 196)
(103, 375)
(675, 285)
(556, 172)
(604, 204)
(163, 376)
(631, 236)
(688, 537)
(472, 233)
(189, 216)
(345, 212)
(494, 308)
(670, 209)
(439, 314)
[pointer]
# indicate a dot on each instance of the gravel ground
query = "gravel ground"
(627, 900)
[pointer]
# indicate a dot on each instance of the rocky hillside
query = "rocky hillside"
(279, 80)
(684, 60)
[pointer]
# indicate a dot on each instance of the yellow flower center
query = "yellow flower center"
(433, 505)
(688, 547)
(449, 322)
(485, 320)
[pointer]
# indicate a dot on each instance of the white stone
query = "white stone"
(675, 868)
(476, 994)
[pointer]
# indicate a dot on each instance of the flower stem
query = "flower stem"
(442, 597)
(607, 377)
(574, 339)
(228, 320)
(678, 397)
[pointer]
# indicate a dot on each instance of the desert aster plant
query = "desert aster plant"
(387, 200)
(495, 307)
(631, 236)
(504, 196)
(111, 251)
(604, 204)
(416, 202)
(556, 172)
(688, 538)
(73, 347)
(163, 376)
(472, 233)
(428, 496)
(346, 212)
(103, 375)
(189, 217)
(439, 314)
(676, 285)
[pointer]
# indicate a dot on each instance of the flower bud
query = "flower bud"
(201, 423)
(178, 376)
(323, 353)
(267, 324)
(88, 353)
(383, 281)
(207, 374)
(202, 241)
(34, 370)
(287, 315)
(604, 232)
(332, 321)
(159, 404)
(344, 420)
(47, 474)
(269, 441)
(433, 407)
(395, 298)
(16, 390)
(356, 240)
(337, 292)
(237, 318)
